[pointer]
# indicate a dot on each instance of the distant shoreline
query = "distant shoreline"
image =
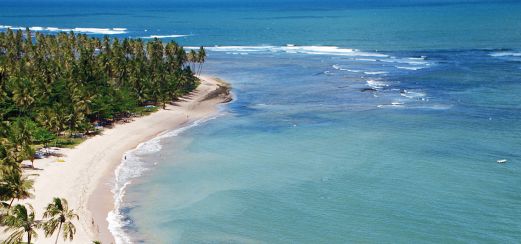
(86, 175)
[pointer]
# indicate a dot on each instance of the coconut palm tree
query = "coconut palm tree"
(22, 94)
(59, 216)
(14, 185)
(201, 58)
(67, 81)
(19, 136)
(30, 153)
(52, 119)
(192, 58)
(20, 221)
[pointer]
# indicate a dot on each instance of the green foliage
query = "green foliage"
(42, 136)
(55, 88)
(66, 142)
(68, 81)
(13, 184)
(20, 221)
(59, 217)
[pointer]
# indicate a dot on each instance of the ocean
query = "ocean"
(351, 123)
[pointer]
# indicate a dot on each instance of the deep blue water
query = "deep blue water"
(362, 26)
(380, 123)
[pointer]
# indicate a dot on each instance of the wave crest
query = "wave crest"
(163, 36)
(94, 31)
(313, 50)
(505, 54)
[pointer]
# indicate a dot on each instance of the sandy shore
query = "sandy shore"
(84, 175)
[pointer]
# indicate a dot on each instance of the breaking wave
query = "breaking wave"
(94, 31)
(163, 36)
(313, 50)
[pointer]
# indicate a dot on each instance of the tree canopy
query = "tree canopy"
(55, 86)
(65, 82)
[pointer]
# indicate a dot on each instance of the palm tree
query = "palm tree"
(30, 153)
(51, 119)
(14, 185)
(20, 136)
(201, 57)
(67, 81)
(20, 221)
(60, 215)
(192, 58)
(22, 94)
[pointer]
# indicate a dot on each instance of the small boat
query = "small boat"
(502, 161)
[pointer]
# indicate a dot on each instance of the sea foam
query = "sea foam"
(505, 54)
(312, 50)
(410, 67)
(376, 84)
(94, 31)
(412, 94)
(376, 72)
(132, 167)
(163, 36)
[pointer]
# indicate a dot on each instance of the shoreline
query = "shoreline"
(130, 170)
(85, 175)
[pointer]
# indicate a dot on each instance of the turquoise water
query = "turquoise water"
(379, 124)
(303, 156)
(363, 26)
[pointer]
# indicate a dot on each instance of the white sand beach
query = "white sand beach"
(84, 175)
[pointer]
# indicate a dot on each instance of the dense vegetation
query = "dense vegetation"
(56, 87)
(67, 81)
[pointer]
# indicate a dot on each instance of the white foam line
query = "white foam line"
(130, 168)
(506, 54)
(376, 84)
(409, 68)
(375, 72)
(312, 50)
(104, 31)
(163, 36)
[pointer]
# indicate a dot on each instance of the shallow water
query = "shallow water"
(306, 156)
(379, 124)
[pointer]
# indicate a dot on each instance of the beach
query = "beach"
(351, 122)
(84, 175)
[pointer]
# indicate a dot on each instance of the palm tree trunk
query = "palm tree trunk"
(58, 235)
(11, 203)
(200, 68)
(29, 237)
